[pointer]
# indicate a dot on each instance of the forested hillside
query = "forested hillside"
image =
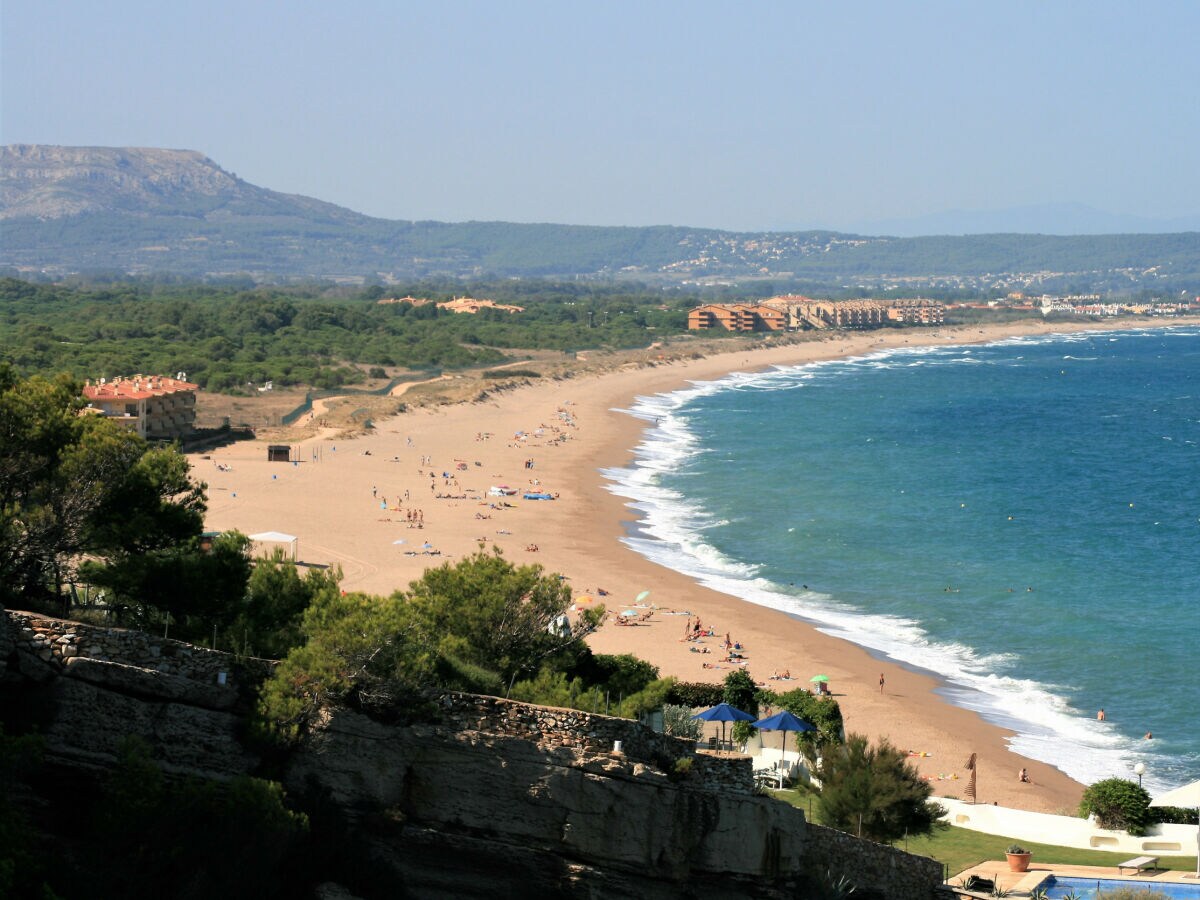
(136, 211)
(225, 337)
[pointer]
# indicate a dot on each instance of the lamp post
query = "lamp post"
(1139, 770)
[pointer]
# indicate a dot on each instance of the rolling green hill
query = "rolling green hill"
(139, 211)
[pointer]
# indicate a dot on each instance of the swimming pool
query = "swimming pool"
(1058, 886)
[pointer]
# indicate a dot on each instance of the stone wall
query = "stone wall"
(870, 867)
(591, 734)
(57, 642)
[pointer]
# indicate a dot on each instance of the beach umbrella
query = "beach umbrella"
(816, 678)
(642, 596)
(1186, 796)
(629, 612)
(723, 713)
(784, 722)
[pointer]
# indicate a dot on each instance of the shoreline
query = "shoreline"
(332, 499)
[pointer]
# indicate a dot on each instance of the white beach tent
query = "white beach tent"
(278, 537)
(1187, 797)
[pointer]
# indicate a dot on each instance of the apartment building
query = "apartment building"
(157, 407)
(738, 317)
(794, 312)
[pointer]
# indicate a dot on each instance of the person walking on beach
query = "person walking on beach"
(881, 682)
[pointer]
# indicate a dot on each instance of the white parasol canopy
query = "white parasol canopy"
(1187, 796)
(278, 537)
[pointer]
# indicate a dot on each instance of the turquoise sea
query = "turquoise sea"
(1021, 518)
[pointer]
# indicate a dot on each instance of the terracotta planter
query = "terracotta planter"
(1018, 862)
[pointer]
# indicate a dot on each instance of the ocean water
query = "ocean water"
(1021, 518)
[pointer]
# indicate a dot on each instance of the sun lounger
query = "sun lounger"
(1138, 863)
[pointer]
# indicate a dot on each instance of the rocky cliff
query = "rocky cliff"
(480, 798)
(51, 182)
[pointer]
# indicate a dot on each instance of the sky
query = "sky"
(745, 116)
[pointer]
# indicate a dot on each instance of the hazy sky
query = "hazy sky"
(735, 115)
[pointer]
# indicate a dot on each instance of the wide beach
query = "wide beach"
(353, 502)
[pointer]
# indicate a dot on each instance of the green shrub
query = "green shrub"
(1172, 815)
(155, 837)
(678, 722)
(823, 713)
(652, 697)
(693, 694)
(623, 673)
(873, 792)
(682, 769)
(511, 373)
(740, 692)
(1117, 804)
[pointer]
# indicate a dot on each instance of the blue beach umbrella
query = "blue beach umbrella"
(723, 713)
(785, 722)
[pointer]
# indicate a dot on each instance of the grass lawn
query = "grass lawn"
(961, 848)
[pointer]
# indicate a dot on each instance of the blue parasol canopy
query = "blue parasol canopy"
(723, 712)
(785, 722)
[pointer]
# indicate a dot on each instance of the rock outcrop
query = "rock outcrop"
(44, 181)
(482, 797)
(85, 689)
(499, 813)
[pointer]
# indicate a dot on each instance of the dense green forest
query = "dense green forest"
(224, 337)
(326, 336)
(292, 246)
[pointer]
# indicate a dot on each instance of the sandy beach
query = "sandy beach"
(414, 492)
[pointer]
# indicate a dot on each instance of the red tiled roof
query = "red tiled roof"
(136, 388)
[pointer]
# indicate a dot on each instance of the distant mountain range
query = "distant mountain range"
(1042, 218)
(136, 210)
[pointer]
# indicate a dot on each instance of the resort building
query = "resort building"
(917, 312)
(457, 305)
(793, 312)
(738, 317)
(157, 407)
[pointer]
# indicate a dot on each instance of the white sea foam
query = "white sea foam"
(671, 532)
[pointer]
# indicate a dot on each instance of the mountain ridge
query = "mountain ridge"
(50, 182)
(148, 210)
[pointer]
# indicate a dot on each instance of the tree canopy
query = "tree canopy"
(873, 792)
(226, 337)
(76, 486)
(473, 625)
(1118, 804)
